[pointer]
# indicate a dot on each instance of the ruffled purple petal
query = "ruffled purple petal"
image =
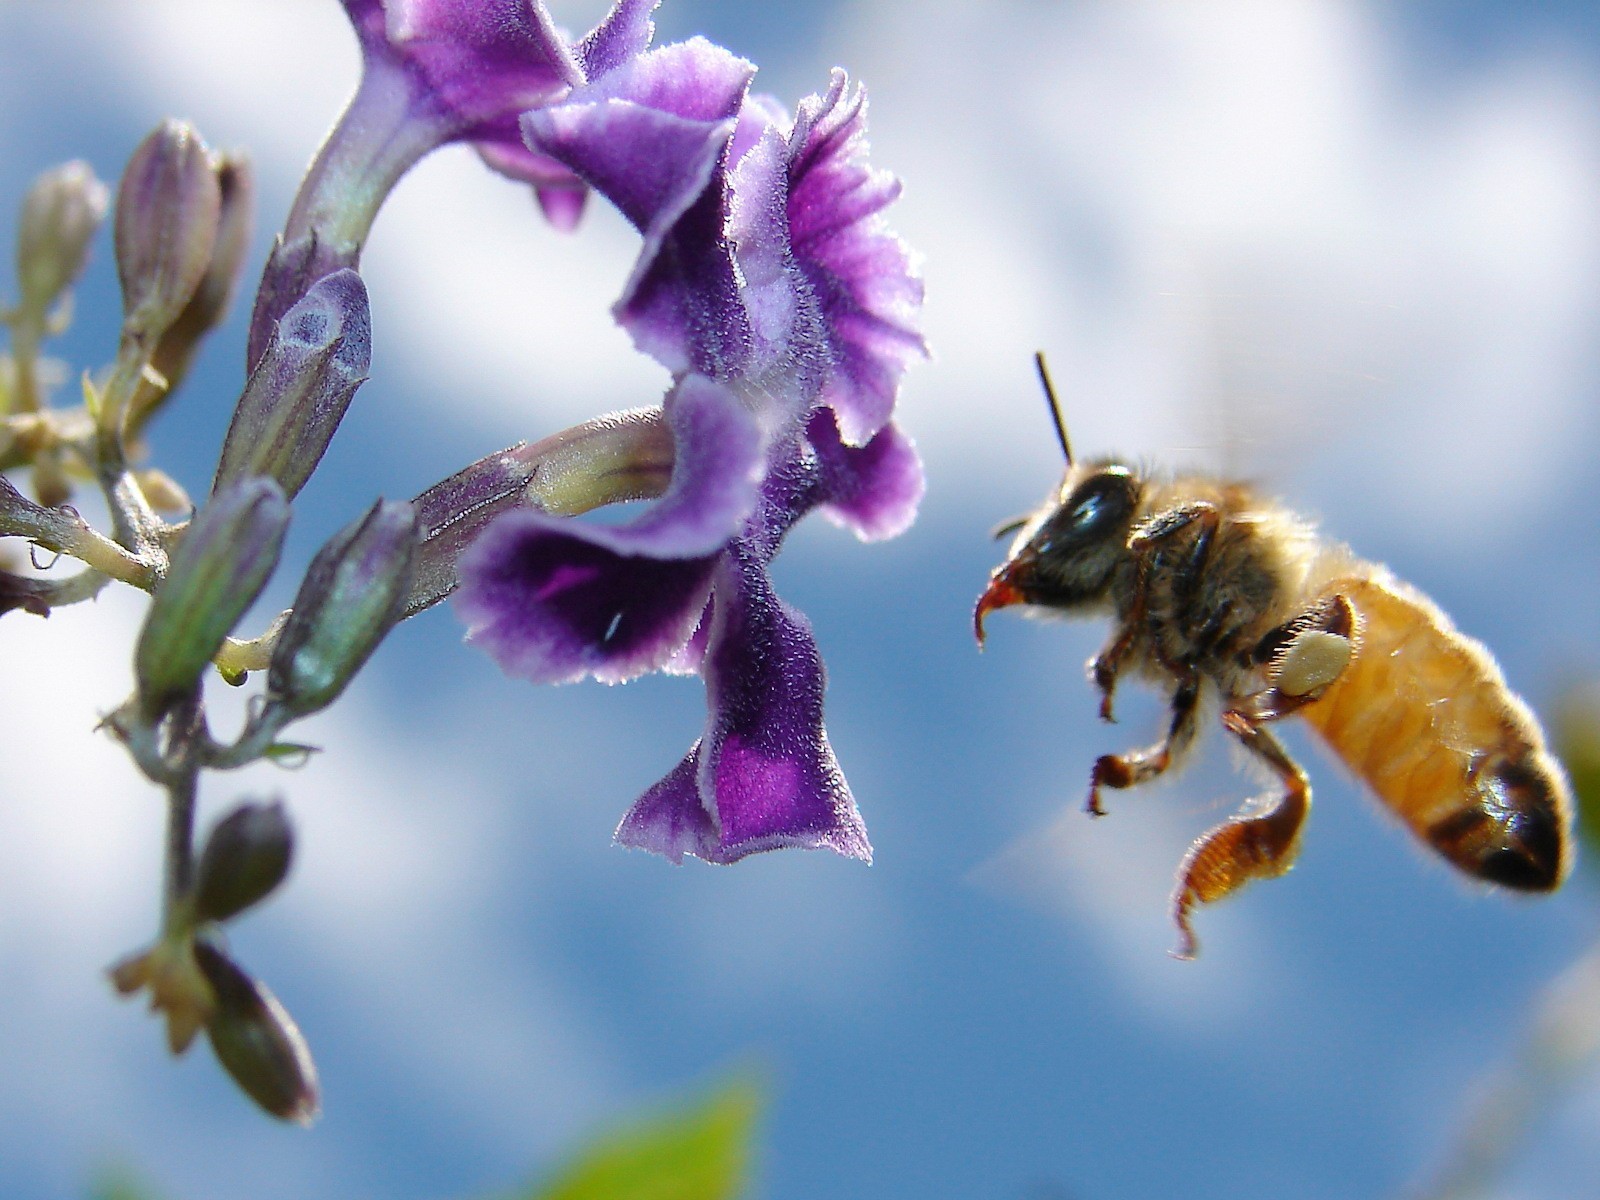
(861, 274)
(788, 351)
(555, 600)
(872, 490)
(650, 136)
(765, 757)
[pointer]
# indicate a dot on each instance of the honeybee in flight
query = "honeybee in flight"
(1213, 588)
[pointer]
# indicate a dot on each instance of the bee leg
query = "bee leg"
(1137, 766)
(1144, 543)
(1304, 657)
(1164, 525)
(1243, 848)
(1107, 665)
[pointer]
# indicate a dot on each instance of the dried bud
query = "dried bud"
(257, 1041)
(178, 989)
(299, 391)
(220, 568)
(351, 597)
(60, 215)
(168, 208)
(209, 304)
(246, 857)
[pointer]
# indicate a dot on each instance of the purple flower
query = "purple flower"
(436, 72)
(769, 286)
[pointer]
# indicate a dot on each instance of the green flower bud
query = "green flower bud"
(298, 393)
(257, 1042)
(60, 215)
(221, 566)
(246, 857)
(351, 598)
(169, 205)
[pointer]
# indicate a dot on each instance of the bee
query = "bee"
(1213, 589)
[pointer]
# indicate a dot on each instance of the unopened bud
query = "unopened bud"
(168, 208)
(257, 1042)
(351, 598)
(176, 348)
(221, 566)
(60, 215)
(164, 493)
(299, 391)
(246, 857)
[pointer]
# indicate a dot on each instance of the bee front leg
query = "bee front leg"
(1263, 846)
(1107, 665)
(1137, 766)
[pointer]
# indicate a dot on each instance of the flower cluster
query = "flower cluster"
(768, 285)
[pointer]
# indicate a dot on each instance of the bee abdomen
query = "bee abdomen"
(1423, 715)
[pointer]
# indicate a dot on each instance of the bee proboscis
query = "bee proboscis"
(1212, 587)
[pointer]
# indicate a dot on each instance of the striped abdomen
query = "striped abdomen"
(1424, 717)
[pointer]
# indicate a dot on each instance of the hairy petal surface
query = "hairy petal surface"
(764, 776)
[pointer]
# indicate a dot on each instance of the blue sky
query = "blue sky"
(1351, 250)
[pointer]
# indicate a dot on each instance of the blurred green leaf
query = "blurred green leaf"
(1578, 745)
(119, 1184)
(693, 1152)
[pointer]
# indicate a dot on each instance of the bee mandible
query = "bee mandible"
(1213, 588)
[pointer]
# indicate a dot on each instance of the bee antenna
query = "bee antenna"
(1055, 405)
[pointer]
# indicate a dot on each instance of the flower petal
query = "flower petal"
(552, 606)
(872, 490)
(861, 273)
(669, 819)
(483, 61)
(624, 34)
(650, 137)
(765, 757)
(555, 600)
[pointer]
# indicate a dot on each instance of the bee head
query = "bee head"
(1064, 556)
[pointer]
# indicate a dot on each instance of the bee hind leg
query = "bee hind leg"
(1303, 657)
(1137, 766)
(1262, 846)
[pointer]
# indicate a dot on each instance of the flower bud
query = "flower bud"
(246, 857)
(221, 566)
(60, 215)
(351, 598)
(168, 208)
(299, 391)
(177, 345)
(257, 1042)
